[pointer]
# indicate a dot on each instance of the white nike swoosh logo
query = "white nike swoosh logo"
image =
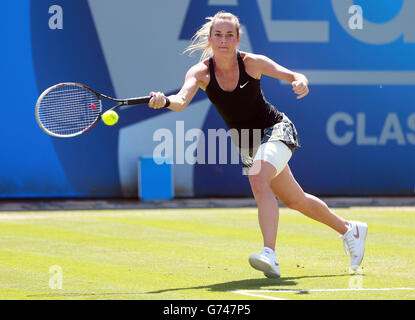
(243, 85)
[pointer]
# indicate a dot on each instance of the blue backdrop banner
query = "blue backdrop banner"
(356, 126)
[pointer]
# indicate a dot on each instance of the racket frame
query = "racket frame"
(123, 103)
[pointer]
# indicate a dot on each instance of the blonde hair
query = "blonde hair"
(200, 38)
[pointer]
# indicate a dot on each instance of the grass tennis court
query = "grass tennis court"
(199, 254)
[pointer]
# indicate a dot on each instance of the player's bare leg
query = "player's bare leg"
(260, 177)
(287, 189)
(292, 195)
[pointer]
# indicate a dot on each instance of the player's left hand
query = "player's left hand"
(300, 87)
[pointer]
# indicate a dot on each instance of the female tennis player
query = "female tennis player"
(231, 80)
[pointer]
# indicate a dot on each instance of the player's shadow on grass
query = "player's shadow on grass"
(249, 284)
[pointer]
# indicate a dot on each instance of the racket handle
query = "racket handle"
(138, 100)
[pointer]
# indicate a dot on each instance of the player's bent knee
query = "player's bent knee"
(259, 183)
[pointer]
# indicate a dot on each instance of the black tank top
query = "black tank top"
(245, 107)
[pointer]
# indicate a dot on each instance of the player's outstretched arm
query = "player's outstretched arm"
(179, 101)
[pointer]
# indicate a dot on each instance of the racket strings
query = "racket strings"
(69, 109)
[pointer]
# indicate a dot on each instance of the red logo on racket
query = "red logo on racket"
(93, 106)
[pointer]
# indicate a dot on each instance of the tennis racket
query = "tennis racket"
(69, 109)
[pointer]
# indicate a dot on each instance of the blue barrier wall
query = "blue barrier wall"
(356, 127)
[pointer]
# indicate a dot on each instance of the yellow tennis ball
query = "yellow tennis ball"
(110, 117)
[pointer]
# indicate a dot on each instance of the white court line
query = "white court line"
(253, 293)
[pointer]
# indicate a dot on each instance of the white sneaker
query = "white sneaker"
(354, 242)
(266, 262)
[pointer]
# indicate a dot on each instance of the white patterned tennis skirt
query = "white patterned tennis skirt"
(284, 131)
